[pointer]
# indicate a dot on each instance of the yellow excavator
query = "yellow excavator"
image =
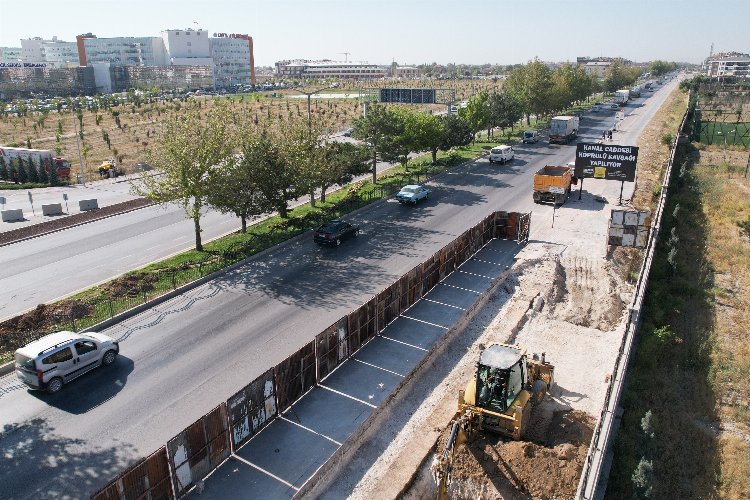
(500, 398)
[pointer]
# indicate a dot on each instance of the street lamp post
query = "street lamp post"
(82, 179)
(309, 95)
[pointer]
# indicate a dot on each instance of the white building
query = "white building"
(301, 68)
(10, 55)
(727, 64)
(187, 47)
(233, 59)
(56, 53)
(121, 51)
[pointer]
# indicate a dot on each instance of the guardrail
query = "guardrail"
(196, 451)
(593, 482)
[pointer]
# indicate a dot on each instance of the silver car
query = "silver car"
(412, 194)
(58, 358)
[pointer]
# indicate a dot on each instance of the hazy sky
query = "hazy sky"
(410, 31)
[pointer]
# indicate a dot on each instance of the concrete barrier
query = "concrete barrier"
(12, 215)
(85, 205)
(52, 209)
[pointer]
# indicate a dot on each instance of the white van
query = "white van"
(58, 358)
(530, 136)
(501, 154)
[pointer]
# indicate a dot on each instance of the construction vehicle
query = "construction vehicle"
(563, 128)
(621, 97)
(553, 183)
(500, 398)
(107, 169)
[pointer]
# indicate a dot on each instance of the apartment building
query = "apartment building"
(727, 64)
(302, 68)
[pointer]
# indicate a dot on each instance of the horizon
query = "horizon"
(410, 33)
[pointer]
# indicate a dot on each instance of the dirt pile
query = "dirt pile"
(487, 466)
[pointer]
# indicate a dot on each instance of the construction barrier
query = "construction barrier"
(251, 409)
(149, 478)
(198, 450)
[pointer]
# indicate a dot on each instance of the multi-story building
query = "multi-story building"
(187, 47)
(10, 55)
(233, 59)
(406, 72)
(121, 51)
(727, 64)
(27, 80)
(55, 53)
(599, 65)
(302, 68)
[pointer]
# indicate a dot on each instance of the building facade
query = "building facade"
(55, 53)
(302, 68)
(727, 64)
(233, 59)
(10, 55)
(121, 51)
(26, 80)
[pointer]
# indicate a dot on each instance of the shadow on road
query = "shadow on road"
(91, 390)
(38, 463)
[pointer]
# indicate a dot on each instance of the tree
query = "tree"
(233, 190)
(4, 172)
(376, 129)
(191, 147)
(271, 169)
(340, 162)
(531, 85)
(504, 111)
(23, 174)
(456, 133)
(477, 112)
(43, 177)
(33, 173)
(426, 131)
(53, 179)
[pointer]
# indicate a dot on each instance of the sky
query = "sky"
(409, 31)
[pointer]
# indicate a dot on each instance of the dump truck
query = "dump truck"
(500, 398)
(635, 91)
(41, 157)
(553, 183)
(563, 128)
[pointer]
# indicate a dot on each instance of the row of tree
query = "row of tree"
(22, 171)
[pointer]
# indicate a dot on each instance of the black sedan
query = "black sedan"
(334, 232)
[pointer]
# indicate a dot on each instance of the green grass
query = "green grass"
(717, 132)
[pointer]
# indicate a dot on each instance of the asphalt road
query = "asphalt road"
(182, 358)
(31, 271)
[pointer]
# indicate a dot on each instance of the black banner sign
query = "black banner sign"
(606, 161)
(408, 96)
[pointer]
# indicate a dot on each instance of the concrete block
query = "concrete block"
(12, 215)
(85, 205)
(52, 209)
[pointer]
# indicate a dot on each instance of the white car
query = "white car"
(501, 154)
(412, 194)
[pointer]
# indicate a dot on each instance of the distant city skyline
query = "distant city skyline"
(409, 31)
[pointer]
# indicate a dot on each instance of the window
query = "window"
(84, 346)
(59, 356)
(515, 383)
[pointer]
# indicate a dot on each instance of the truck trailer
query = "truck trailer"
(42, 158)
(622, 96)
(562, 129)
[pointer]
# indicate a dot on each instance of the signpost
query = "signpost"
(65, 197)
(606, 161)
(31, 200)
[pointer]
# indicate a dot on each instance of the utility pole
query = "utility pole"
(309, 94)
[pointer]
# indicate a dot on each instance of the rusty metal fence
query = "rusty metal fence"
(251, 409)
(148, 479)
(199, 449)
(196, 451)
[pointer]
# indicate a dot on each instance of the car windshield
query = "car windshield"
(497, 151)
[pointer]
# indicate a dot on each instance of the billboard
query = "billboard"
(606, 161)
(408, 96)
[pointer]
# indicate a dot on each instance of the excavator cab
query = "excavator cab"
(501, 375)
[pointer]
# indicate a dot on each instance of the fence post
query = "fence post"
(111, 312)
(174, 280)
(73, 321)
(143, 292)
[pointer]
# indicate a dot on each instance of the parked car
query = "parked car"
(412, 194)
(530, 136)
(501, 154)
(348, 132)
(58, 358)
(334, 232)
